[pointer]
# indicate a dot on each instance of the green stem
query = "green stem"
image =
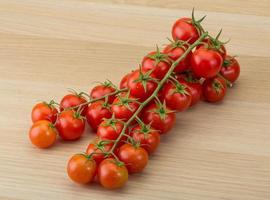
(159, 86)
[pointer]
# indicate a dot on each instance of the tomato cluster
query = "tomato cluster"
(129, 120)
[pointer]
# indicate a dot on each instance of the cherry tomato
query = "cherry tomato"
(176, 95)
(183, 29)
(195, 89)
(110, 129)
(44, 111)
(134, 157)
(96, 112)
(98, 147)
(72, 100)
(214, 44)
(112, 174)
(124, 106)
(214, 89)
(175, 51)
(43, 134)
(230, 69)
(102, 90)
(160, 117)
(157, 62)
(70, 125)
(141, 86)
(124, 81)
(148, 138)
(206, 63)
(81, 169)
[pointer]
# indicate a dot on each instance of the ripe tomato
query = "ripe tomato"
(110, 129)
(141, 85)
(96, 112)
(157, 62)
(70, 125)
(134, 157)
(44, 111)
(98, 147)
(42, 134)
(124, 81)
(195, 88)
(160, 117)
(214, 89)
(214, 44)
(124, 106)
(112, 174)
(81, 169)
(230, 69)
(206, 63)
(175, 51)
(183, 29)
(102, 90)
(148, 138)
(72, 100)
(176, 95)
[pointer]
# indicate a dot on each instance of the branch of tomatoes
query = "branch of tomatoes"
(129, 121)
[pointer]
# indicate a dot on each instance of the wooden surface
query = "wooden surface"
(214, 152)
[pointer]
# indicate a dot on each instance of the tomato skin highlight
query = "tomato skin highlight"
(135, 158)
(96, 112)
(230, 70)
(72, 100)
(184, 30)
(159, 68)
(136, 88)
(69, 126)
(214, 89)
(176, 52)
(102, 90)
(150, 115)
(108, 132)
(112, 175)
(44, 111)
(206, 63)
(80, 169)
(174, 99)
(42, 134)
(149, 141)
(122, 110)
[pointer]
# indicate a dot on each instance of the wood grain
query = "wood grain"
(214, 152)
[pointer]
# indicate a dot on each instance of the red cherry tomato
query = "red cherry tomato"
(70, 125)
(98, 147)
(102, 90)
(230, 69)
(174, 52)
(214, 44)
(43, 134)
(112, 174)
(214, 89)
(206, 63)
(148, 138)
(124, 81)
(44, 111)
(136, 83)
(158, 63)
(109, 129)
(124, 106)
(183, 29)
(134, 157)
(195, 89)
(81, 169)
(72, 100)
(160, 117)
(177, 96)
(96, 112)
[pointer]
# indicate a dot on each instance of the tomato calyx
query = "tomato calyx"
(215, 44)
(161, 109)
(178, 44)
(145, 77)
(197, 23)
(51, 104)
(125, 101)
(159, 57)
(77, 114)
(217, 85)
(111, 122)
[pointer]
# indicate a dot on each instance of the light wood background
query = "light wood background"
(214, 152)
